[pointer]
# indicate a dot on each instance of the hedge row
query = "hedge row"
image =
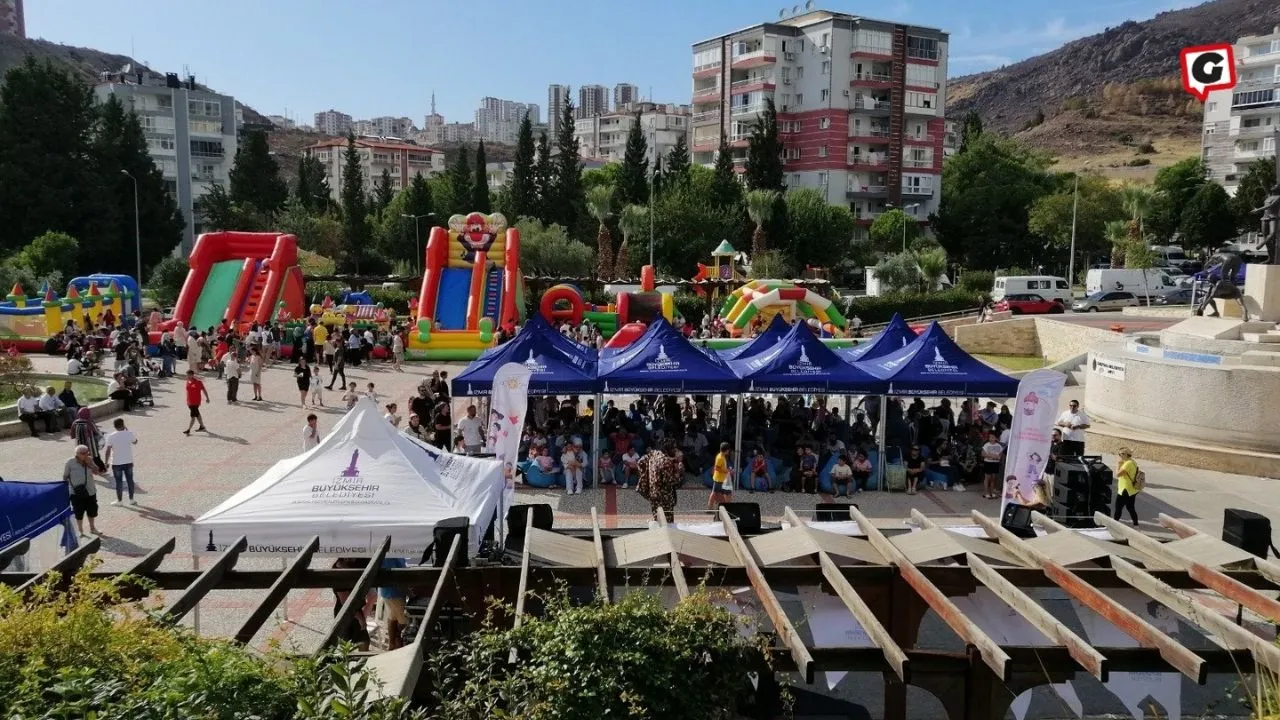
(880, 309)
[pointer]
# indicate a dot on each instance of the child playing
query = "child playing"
(351, 397)
(630, 467)
(371, 393)
(606, 469)
(317, 387)
(759, 473)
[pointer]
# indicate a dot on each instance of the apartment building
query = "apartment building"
(557, 98)
(13, 20)
(457, 132)
(498, 120)
(402, 160)
(1241, 124)
(332, 122)
(860, 105)
(625, 94)
(604, 137)
(593, 100)
(191, 134)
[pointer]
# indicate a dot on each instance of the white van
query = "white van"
(1139, 282)
(1049, 287)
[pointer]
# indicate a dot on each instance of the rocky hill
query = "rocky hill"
(86, 62)
(1111, 100)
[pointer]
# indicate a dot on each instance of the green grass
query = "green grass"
(1014, 362)
(86, 393)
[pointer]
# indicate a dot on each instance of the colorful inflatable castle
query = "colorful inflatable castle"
(27, 323)
(762, 299)
(471, 286)
(239, 279)
(620, 322)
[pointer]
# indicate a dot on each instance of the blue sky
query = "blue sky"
(302, 56)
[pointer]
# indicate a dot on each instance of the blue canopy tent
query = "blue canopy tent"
(29, 509)
(763, 342)
(662, 360)
(895, 336)
(801, 363)
(933, 365)
(559, 366)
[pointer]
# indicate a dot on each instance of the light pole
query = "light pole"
(904, 210)
(417, 237)
(1071, 258)
(653, 177)
(137, 224)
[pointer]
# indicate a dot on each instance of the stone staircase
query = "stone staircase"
(1078, 374)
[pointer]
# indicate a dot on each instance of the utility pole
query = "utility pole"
(653, 176)
(1071, 259)
(137, 228)
(417, 237)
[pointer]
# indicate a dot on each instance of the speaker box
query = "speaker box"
(518, 517)
(1017, 520)
(746, 515)
(442, 537)
(1247, 530)
(832, 511)
(1071, 475)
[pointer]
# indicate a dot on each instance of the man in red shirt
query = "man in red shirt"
(195, 388)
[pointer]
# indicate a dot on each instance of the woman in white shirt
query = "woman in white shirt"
(391, 416)
(992, 454)
(231, 369)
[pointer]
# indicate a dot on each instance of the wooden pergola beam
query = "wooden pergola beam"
(861, 612)
(1212, 579)
(677, 567)
(355, 600)
(13, 550)
(153, 560)
(781, 624)
(206, 582)
(602, 579)
(525, 555)
(1146, 634)
(277, 592)
(446, 574)
(67, 567)
(1268, 569)
(1227, 634)
(995, 658)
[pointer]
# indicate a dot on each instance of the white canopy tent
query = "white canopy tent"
(364, 481)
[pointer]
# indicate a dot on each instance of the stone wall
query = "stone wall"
(1004, 337)
(1160, 311)
(1062, 340)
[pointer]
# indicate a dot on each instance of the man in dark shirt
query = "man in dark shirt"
(915, 468)
(808, 470)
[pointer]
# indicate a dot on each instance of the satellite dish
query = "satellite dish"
(782, 13)
(809, 5)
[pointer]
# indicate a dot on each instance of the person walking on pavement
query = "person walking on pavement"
(302, 374)
(338, 368)
(255, 371)
(78, 475)
(120, 457)
(311, 432)
(195, 389)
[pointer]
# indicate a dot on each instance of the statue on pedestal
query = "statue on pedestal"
(1224, 288)
(1271, 225)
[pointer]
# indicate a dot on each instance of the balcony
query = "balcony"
(911, 190)
(712, 91)
(707, 69)
(925, 84)
(706, 143)
(918, 139)
(754, 58)
(917, 163)
(864, 191)
(704, 118)
(861, 50)
(1251, 154)
(748, 109)
(868, 162)
(870, 79)
(918, 110)
(1255, 131)
(869, 105)
(751, 83)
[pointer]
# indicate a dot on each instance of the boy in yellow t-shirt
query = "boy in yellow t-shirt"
(720, 472)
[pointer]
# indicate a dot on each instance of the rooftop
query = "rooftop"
(373, 143)
(813, 17)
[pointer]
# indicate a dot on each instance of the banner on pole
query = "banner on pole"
(508, 402)
(1031, 434)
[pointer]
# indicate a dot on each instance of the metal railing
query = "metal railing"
(918, 138)
(873, 189)
(748, 109)
(912, 190)
(758, 80)
(872, 76)
(707, 66)
(1255, 131)
(708, 115)
(870, 105)
(869, 160)
(703, 92)
(913, 163)
(860, 47)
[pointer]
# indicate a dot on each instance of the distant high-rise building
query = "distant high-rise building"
(604, 137)
(625, 94)
(332, 122)
(402, 161)
(593, 100)
(12, 19)
(1240, 123)
(557, 97)
(457, 132)
(498, 121)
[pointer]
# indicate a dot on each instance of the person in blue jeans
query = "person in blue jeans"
(393, 605)
(120, 457)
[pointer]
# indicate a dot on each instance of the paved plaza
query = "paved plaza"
(182, 477)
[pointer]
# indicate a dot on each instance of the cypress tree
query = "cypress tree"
(726, 191)
(633, 180)
(678, 163)
(543, 179)
(522, 190)
(460, 181)
(255, 175)
(568, 198)
(764, 153)
(480, 201)
(971, 130)
(312, 189)
(354, 224)
(383, 192)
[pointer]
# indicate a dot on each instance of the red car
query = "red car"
(1029, 304)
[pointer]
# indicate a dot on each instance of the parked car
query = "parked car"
(1112, 300)
(1149, 281)
(1029, 304)
(1181, 296)
(1051, 287)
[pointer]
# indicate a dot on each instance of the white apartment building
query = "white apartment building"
(191, 135)
(592, 100)
(387, 126)
(604, 137)
(557, 98)
(332, 122)
(458, 132)
(498, 121)
(625, 94)
(1241, 124)
(860, 105)
(402, 160)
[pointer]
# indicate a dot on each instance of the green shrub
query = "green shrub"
(392, 299)
(316, 291)
(977, 281)
(691, 307)
(1075, 103)
(880, 309)
(167, 278)
(1147, 148)
(1139, 162)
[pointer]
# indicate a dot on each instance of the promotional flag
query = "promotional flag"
(1031, 434)
(509, 400)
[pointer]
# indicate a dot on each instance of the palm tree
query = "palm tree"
(1138, 201)
(760, 204)
(632, 222)
(933, 265)
(600, 205)
(1117, 232)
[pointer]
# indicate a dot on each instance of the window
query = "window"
(164, 102)
(204, 108)
(874, 40)
(921, 100)
(786, 99)
(823, 94)
(822, 151)
(793, 153)
(1210, 106)
(822, 178)
(786, 74)
(209, 127)
(826, 67)
(161, 144)
(918, 47)
(825, 38)
(1256, 97)
(1209, 130)
(206, 148)
(800, 73)
(203, 171)
(799, 99)
(922, 75)
(824, 123)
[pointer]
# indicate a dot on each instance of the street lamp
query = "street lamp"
(904, 210)
(137, 223)
(417, 238)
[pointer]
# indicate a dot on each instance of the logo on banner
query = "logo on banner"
(534, 367)
(663, 361)
(1030, 403)
(1206, 68)
(803, 365)
(348, 486)
(939, 365)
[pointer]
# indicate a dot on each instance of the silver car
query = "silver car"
(1102, 301)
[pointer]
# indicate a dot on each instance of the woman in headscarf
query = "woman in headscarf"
(85, 432)
(417, 429)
